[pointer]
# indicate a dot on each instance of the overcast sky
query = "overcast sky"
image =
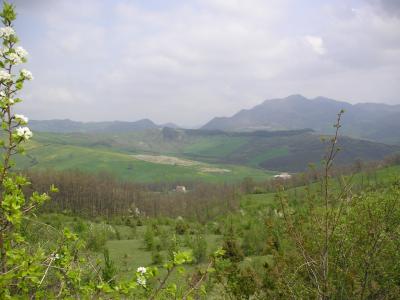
(190, 60)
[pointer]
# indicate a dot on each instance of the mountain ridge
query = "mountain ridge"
(371, 121)
(69, 126)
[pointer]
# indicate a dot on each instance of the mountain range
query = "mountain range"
(371, 121)
(68, 126)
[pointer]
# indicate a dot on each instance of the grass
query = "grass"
(269, 154)
(215, 146)
(125, 167)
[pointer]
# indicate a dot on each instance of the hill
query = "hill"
(372, 121)
(174, 155)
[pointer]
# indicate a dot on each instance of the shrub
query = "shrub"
(148, 238)
(199, 248)
(181, 226)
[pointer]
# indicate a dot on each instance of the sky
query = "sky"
(187, 61)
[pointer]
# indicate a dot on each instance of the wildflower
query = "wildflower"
(4, 75)
(21, 52)
(24, 132)
(21, 119)
(26, 74)
(141, 270)
(141, 281)
(6, 32)
(14, 58)
(55, 256)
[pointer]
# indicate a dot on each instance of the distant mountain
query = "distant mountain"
(68, 126)
(373, 121)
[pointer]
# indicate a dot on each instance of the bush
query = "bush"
(148, 238)
(181, 226)
(98, 235)
(156, 258)
(109, 271)
(199, 248)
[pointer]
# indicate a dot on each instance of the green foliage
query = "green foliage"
(199, 246)
(148, 238)
(97, 235)
(156, 257)
(109, 270)
(181, 226)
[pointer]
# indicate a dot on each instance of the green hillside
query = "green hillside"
(126, 167)
(187, 155)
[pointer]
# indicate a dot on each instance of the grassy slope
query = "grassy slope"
(124, 166)
(243, 155)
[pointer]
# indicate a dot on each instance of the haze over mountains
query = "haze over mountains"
(277, 135)
(66, 126)
(371, 121)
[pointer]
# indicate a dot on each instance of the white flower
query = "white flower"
(6, 32)
(55, 256)
(4, 51)
(21, 119)
(13, 57)
(2, 94)
(21, 52)
(10, 101)
(4, 75)
(141, 281)
(141, 270)
(27, 74)
(24, 132)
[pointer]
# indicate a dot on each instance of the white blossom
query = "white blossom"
(27, 74)
(24, 132)
(55, 256)
(141, 281)
(2, 94)
(141, 270)
(6, 32)
(13, 57)
(4, 51)
(21, 52)
(4, 75)
(21, 118)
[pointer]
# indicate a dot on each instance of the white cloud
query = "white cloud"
(316, 43)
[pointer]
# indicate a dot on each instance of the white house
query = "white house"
(283, 176)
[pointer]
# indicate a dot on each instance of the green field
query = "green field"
(126, 167)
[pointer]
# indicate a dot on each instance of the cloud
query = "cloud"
(390, 7)
(190, 61)
(316, 43)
